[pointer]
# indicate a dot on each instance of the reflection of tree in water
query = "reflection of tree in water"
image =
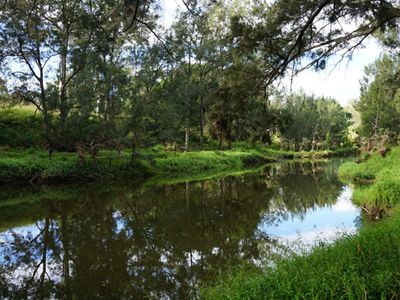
(299, 187)
(158, 242)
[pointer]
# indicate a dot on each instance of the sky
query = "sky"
(341, 82)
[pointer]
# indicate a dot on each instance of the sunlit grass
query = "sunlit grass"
(364, 266)
(377, 180)
(22, 165)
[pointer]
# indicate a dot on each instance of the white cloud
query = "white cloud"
(341, 82)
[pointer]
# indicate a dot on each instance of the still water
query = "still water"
(163, 241)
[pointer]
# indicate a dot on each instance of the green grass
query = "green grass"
(23, 165)
(376, 180)
(365, 266)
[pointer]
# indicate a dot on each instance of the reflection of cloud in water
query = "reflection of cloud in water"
(312, 236)
(52, 271)
(162, 242)
(344, 203)
(322, 222)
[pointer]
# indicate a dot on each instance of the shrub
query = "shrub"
(20, 127)
(383, 176)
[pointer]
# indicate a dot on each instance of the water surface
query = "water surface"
(129, 241)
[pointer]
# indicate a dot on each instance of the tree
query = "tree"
(379, 104)
(315, 123)
(38, 35)
(294, 35)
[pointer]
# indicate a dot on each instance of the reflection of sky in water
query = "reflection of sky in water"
(6, 237)
(321, 222)
(223, 228)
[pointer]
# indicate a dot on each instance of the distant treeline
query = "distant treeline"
(300, 123)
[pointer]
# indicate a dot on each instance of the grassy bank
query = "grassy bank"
(376, 180)
(364, 266)
(34, 165)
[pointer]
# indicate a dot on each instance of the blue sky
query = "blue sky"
(341, 83)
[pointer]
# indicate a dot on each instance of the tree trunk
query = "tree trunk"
(135, 143)
(46, 117)
(202, 121)
(187, 131)
(63, 70)
(62, 87)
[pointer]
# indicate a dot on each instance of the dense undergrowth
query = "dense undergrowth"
(364, 266)
(376, 180)
(31, 164)
(20, 127)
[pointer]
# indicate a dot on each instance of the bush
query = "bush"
(382, 174)
(20, 127)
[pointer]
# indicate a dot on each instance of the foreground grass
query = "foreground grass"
(377, 180)
(365, 266)
(26, 165)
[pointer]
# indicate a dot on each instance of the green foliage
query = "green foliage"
(379, 104)
(350, 268)
(283, 32)
(314, 123)
(29, 164)
(20, 127)
(17, 165)
(114, 89)
(382, 174)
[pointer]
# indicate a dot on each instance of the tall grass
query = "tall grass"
(377, 180)
(365, 266)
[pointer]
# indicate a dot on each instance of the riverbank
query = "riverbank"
(376, 181)
(364, 266)
(34, 166)
(353, 267)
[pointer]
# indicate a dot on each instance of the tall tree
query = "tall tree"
(36, 35)
(379, 104)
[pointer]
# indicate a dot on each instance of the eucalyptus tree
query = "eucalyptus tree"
(27, 40)
(152, 113)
